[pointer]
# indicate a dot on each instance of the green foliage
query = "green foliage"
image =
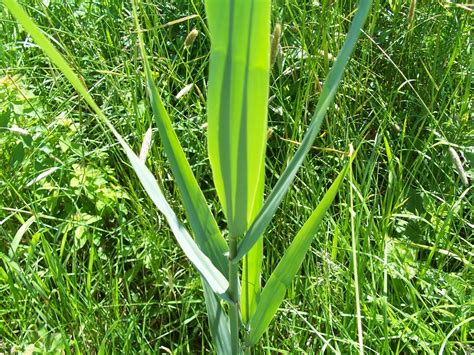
(238, 100)
(404, 103)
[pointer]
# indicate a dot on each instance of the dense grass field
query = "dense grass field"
(88, 266)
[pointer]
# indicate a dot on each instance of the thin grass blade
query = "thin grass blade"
(274, 291)
(202, 222)
(327, 96)
(202, 263)
(19, 235)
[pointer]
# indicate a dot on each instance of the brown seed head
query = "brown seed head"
(191, 38)
(275, 44)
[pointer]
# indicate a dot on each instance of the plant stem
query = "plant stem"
(234, 295)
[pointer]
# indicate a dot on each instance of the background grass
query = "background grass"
(87, 265)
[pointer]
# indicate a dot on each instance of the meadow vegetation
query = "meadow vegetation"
(87, 265)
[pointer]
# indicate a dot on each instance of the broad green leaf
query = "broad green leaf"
(237, 104)
(237, 120)
(327, 96)
(202, 222)
(202, 263)
(274, 291)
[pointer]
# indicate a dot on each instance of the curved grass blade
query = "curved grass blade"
(274, 291)
(237, 104)
(327, 96)
(202, 222)
(202, 263)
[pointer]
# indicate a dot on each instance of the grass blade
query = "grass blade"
(327, 96)
(202, 222)
(274, 291)
(203, 264)
(206, 268)
(19, 235)
(218, 321)
(237, 104)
